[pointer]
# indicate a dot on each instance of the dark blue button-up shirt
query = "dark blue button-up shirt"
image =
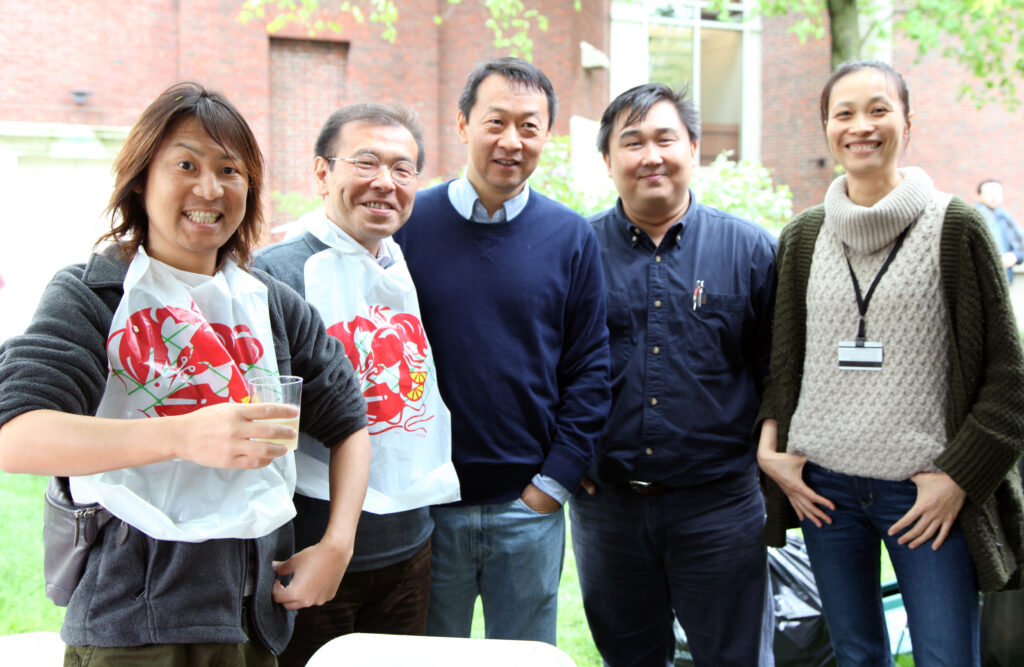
(686, 380)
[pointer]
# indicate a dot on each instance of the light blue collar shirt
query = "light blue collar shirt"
(466, 201)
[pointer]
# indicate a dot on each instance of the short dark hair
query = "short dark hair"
(390, 115)
(225, 125)
(988, 180)
(638, 101)
(885, 68)
(515, 70)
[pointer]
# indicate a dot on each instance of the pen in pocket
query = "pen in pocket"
(699, 298)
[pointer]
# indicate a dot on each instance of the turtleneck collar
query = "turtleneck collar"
(869, 229)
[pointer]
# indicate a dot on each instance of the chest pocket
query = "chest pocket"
(622, 331)
(715, 334)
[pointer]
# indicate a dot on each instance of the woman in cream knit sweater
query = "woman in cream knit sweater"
(894, 408)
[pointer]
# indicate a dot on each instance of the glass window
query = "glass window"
(670, 54)
(689, 44)
(717, 55)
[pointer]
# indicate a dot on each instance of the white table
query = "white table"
(373, 650)
(32, 648)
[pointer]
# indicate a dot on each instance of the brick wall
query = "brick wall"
(466, 40)
(956, 143)
(286, 83)
(792, 142)
(123, 56)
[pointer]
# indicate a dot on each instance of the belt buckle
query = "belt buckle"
(640, 486)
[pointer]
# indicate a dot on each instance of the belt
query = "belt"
(648, 488)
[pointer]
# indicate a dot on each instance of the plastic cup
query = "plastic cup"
(284, 389)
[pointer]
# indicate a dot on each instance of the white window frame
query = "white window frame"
(630, 28)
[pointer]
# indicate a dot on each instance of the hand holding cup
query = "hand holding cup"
(282, 389)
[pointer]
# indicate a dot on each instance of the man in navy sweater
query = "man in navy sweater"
(674, 514)
(512, 299)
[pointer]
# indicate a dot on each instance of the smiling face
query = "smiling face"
(194, 196)
(367, 209)
(867, 125)
(505, 133)
(651, 163)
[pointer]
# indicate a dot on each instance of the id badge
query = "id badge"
(866, 357)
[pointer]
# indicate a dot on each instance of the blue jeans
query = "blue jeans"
(508, 554)
(696, 552)
(938, 587)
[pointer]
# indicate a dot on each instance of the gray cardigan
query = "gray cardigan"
(137, 590)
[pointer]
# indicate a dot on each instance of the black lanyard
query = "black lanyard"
(863, 301)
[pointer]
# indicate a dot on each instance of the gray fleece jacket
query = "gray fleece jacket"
(137, 590)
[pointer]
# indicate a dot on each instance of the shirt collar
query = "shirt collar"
(383, 256)
(466, 201)
(673, 236)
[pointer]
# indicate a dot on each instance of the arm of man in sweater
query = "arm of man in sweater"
(582, 377)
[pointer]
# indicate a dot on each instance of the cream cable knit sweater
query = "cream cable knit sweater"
(887, 424)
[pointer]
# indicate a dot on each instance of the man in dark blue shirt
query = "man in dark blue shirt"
(672, 517)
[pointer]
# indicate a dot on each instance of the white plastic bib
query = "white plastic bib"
(178, 342)
(375, 313)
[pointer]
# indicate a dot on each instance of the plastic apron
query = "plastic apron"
(180, 341)
(375, 313)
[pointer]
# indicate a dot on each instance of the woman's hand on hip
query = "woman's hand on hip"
(787, 471)
(938, 503)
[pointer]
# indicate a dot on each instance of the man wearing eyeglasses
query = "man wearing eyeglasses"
(366, 167)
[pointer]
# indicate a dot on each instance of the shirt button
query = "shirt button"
(654, 401)
(648, 451)
(657, 258)
(679, 238)
(634, 239)
(657, 303)
(656, 349)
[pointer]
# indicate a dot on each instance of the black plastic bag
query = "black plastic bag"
(801, 637)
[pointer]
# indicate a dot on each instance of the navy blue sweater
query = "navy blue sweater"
(516, 314)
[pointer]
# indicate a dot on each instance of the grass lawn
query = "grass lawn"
(24, 607)
(23, 604)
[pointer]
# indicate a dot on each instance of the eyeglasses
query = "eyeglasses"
(369, 165)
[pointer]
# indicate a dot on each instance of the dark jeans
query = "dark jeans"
(696, 552)
(392, 600)
(938, 587)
